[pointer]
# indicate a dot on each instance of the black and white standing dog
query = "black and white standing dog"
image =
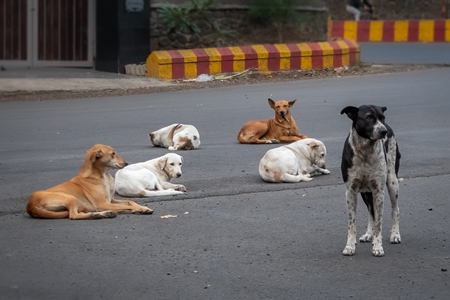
(370, 160)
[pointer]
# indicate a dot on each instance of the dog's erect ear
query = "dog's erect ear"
(313, 144)
(291, 103)
(162, 163)
(271, 103)
(380, 109)
(96, 154)
(351, 112)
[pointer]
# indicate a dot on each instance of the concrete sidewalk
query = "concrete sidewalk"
(67, 79)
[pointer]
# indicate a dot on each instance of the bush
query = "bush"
(194, 18)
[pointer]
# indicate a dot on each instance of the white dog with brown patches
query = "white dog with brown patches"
(176, 137)
(294, 162)
(151, 178)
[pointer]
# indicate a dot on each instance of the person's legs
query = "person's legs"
(354, 11)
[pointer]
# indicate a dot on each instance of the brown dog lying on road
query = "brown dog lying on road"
(279, 129)
(89, 195)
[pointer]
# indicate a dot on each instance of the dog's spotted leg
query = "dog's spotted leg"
(368, 236)
(368, 200)
(393, 195)
(351, 236)
(377, 243)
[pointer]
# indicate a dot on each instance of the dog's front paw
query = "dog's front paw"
(378, 251)
(365, 238)
(172, 148)
(181, 188)
(325, 171)
(146, 211)
(272, 142)
(349, 251)
(143, 210)
(395, 238)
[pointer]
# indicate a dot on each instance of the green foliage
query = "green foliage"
(189, 18)
(184, 18)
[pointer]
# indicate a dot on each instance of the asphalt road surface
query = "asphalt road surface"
(234, 237)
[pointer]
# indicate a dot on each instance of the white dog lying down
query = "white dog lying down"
(176, 137)
(294, 162)
(150, 178)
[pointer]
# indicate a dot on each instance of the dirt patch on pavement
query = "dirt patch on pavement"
(251, 77)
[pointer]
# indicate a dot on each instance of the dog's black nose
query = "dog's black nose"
(178, 174)
(383, 132)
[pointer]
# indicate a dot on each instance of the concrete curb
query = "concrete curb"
(188, 64)
(391, 31)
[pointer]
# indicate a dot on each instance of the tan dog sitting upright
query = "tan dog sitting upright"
(89, 195)
(279, 129)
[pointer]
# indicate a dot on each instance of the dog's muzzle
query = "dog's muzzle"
(121, 166)
(380, 134)
(178, 174)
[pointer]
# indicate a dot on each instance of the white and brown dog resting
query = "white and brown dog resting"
(294, 162)
(370, 161)
(89, 195)
(176, 137)
(151, 178)
(280, 129)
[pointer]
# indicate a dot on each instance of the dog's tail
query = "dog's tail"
(36, 209)
(39, 212)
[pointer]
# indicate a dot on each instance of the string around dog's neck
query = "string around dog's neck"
(279, 121)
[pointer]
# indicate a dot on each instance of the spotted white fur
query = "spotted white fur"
(370, 161)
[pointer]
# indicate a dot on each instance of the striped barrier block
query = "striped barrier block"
(392, 31)
(174, 64)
